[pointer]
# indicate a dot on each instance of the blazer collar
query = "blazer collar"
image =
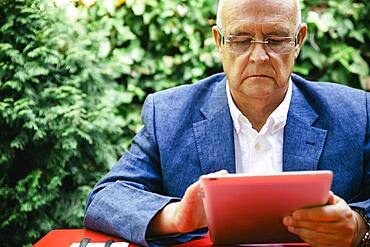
(217, 101)
(214, 135)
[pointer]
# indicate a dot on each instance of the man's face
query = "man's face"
(258, 72)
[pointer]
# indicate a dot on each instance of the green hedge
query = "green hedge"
(337, 46)
(60, 130)
(73, 78)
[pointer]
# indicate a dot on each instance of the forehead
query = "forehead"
(246, 27)
(257, 11)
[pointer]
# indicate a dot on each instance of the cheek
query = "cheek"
(283, 66)
(234, 65)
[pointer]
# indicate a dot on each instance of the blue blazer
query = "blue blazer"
(188, 131)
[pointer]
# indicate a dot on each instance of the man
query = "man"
(255, 118)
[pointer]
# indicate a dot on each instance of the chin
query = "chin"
(259, 95)
(257, 88)
(260, 79)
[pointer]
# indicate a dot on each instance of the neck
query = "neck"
(257, 110)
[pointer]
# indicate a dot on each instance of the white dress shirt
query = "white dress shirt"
(259, 152)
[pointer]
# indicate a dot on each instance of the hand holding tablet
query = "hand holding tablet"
(250, 209)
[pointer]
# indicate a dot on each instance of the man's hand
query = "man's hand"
(184, 216)
(334, 224)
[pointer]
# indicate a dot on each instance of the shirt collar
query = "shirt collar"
(274, 122)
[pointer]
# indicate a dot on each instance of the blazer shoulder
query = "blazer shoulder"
(328, 92)
(205, 85)
(185, 98)
(336, 104)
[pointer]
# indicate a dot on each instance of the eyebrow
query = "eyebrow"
(278, 33)
(242, 33)
(273, 33)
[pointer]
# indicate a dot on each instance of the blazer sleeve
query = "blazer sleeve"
(124, 201)
(362, 201)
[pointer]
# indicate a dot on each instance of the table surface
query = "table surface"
(65, 237)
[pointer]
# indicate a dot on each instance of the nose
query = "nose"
(258, 53)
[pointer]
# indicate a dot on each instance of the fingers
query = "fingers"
(325, 213)
(324, 227)
(318, 238)
(189, 214)
(192, 193)
(331, 200)
(336, 212)
(220, 172)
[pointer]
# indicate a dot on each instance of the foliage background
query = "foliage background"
(73, 76)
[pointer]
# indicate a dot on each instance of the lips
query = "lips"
(251, 76)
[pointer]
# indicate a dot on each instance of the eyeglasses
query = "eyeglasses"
(241, 44)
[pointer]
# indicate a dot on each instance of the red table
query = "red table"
(65, 237)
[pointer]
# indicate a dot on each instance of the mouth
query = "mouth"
(254, 76)
(259, 75)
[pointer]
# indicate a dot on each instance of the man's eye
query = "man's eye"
(275, 41)
(246, 41)
(243, 42)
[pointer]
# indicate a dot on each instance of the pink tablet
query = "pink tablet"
(250, 209)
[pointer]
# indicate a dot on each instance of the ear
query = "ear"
(301, 37)
(217, 39)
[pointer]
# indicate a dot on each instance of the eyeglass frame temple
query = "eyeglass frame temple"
(297, 32)
(221, 34)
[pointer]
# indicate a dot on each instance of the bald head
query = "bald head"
(228, 9)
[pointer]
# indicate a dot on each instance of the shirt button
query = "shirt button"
(257, 146)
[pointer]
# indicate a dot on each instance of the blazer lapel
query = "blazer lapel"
(214, 135)
(303, 143)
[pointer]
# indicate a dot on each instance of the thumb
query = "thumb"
(220, 172)
(331, 200)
